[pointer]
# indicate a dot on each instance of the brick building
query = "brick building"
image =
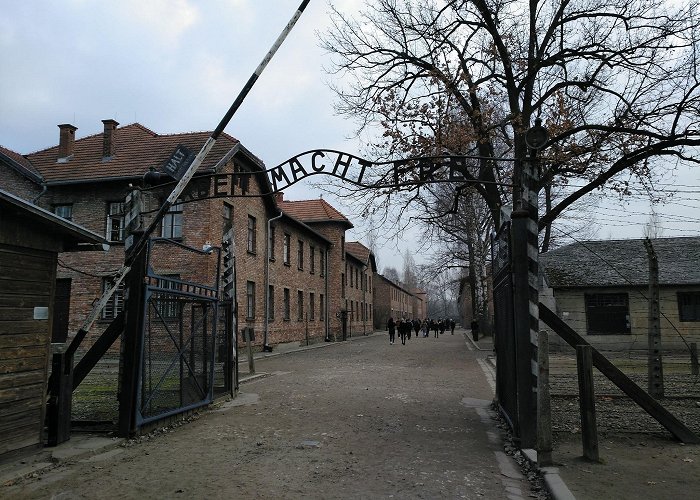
(351, 265)
(290, 255)
(420, 304)
(392, 300)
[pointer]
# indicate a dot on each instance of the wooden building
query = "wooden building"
(30, 240)
(601, 290)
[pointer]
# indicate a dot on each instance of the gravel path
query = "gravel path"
(362, 419)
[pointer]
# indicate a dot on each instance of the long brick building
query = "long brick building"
(296, 276)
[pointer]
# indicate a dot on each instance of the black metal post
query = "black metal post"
(132, 345)
(526, 426)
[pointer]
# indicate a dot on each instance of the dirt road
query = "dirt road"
(359, 419)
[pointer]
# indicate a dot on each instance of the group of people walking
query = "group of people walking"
(404, 327)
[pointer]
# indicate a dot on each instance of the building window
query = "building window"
(607, 313)
(312, 259)
(352, 310)
(271, 302)
(342, 285)
(312, 306)
(300, 305)
(115, 305)
(250, 300)
(322, 307)
(64, 211)
(351, 273)
(172, 222)
(115, 221)
(286, 304)
(252, 234)
(342, 247)
(357, 277)
(300, 254)
(689, 306)
(285, 250)
(227, 214)
(271, 244)
(322, 262)
(167, 304)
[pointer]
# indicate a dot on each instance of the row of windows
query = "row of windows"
(609, 314)
(364, 284)
(398, 295)
(359, 311)
(309, 311)
(171, 225)
(286, 248)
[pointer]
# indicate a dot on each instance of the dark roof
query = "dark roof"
(310, 211)
(136, 149)
(622, 263)
(72, 233)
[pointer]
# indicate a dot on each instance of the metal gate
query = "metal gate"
(179, 344)
(504, 326)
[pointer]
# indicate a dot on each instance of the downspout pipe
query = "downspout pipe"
(327, 301)
(44, 188)
(364, 296)
(266, 291)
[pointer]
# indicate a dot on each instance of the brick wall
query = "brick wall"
(12, 182)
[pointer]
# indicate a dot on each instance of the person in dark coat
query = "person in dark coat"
(402, 331)
(416, 326)
(391, 326)
(441, 324)
(452, 326)
(434, 324)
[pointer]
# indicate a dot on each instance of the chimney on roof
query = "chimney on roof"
(108, 148)
(66, 140)
(279, 197)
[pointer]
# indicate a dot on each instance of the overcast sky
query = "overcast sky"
(176, 66)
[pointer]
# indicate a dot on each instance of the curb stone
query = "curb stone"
(552, 480)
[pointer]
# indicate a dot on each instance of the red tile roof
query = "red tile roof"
(313, 211)
(358, 250)
(136, 149)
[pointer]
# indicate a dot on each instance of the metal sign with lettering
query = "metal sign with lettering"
(179, 162)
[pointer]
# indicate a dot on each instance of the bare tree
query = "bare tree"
(616, 83)
(391, 273)
(653, 228)
(410, 275)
